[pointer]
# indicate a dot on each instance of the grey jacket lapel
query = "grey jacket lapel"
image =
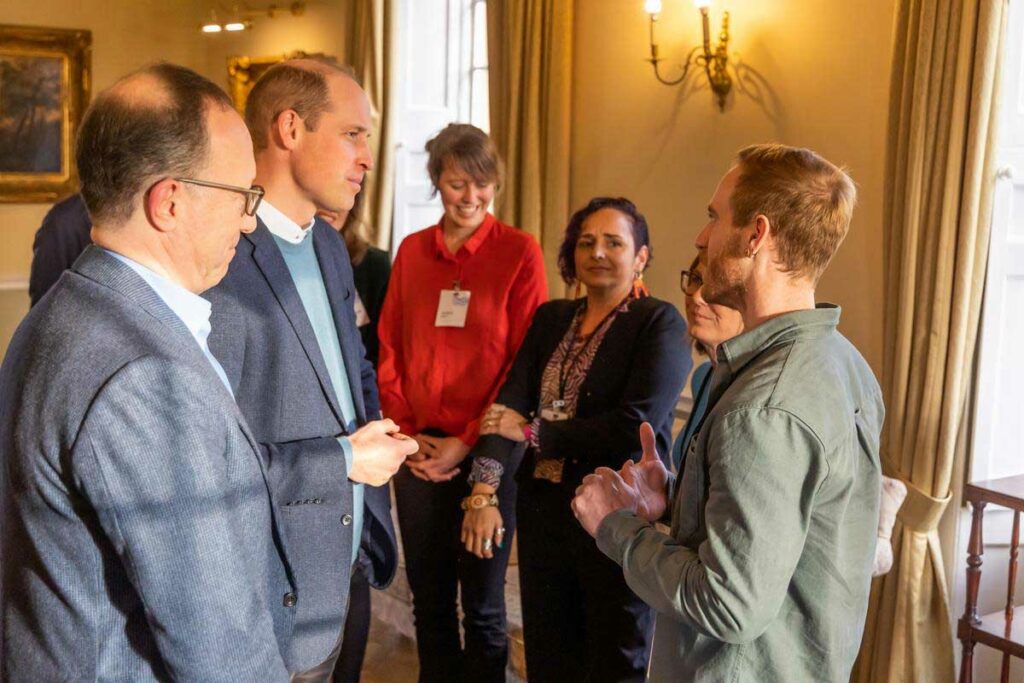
(101, 267)
(271, 263)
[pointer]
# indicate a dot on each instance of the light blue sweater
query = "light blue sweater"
(305, 271)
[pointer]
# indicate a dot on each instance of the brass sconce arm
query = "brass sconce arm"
(714, 60)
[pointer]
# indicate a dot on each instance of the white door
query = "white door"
(435, 59)
(999, 420)
(998, 434)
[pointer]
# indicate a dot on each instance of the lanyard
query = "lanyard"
(566, 367)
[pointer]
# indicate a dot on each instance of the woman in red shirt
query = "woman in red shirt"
(460, 300)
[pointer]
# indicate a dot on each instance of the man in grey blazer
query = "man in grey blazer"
(139, 538)
(285, 332)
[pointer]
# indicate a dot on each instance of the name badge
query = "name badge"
(362, 317)
(554, 412)
(452, 308)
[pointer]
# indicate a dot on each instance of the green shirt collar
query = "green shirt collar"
(736, 353)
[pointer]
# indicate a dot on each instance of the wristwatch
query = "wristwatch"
(479, 500)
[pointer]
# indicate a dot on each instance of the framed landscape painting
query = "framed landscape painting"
(243, 72)
(44, 87)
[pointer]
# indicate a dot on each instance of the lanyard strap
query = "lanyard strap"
(565, 367)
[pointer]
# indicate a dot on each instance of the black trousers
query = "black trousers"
(357, 630)
(438, 567)
(581, 622)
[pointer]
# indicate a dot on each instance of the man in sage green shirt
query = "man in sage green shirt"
(766, 573)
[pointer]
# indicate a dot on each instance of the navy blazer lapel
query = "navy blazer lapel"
(329, 251)
(271, 263)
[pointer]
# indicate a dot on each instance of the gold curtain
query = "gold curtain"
(369, 45)
(939, 187)
(530, 77)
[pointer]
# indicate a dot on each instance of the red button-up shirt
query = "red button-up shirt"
(444, 377)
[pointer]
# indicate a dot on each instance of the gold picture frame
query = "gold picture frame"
(243, 72)
(45, 76)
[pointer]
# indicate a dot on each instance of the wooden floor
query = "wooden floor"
(391, 657)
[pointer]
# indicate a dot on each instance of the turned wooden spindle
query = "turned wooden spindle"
(975, 549)
(1011, 584)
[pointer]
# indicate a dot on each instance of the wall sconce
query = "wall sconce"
(713, 59)
(241, 18)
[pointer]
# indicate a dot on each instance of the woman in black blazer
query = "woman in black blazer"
(589, 372)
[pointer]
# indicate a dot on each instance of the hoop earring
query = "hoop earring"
(639, 288)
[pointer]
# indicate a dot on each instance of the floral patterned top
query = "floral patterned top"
(563, 376)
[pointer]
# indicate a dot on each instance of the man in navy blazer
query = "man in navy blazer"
(60, 240)
(139, 539)
(286, 334)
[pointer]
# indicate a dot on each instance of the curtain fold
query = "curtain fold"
(937, 211)
(369, 44)
(530, 77)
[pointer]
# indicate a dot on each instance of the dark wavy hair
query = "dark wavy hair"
(567, 252)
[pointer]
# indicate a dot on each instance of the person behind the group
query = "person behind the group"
(60, 240)
(590, 371)
(766, 571)
(709, 325)
(285, 331)
(139, 539)
(461, 296)
(371, 268)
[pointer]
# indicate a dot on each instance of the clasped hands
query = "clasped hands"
(437, 459)
(640, 487)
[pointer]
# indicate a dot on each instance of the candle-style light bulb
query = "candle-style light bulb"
(652, 6)
(702, 4)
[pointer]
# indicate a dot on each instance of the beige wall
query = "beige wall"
(127, 34)
(823, 69)
(321, 28)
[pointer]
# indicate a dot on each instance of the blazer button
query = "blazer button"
(346, 519)
(289, 600)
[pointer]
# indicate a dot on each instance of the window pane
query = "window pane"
(480, 110)
(479, 33)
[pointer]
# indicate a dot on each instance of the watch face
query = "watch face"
(479, 502)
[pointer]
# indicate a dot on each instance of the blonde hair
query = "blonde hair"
(808, 201)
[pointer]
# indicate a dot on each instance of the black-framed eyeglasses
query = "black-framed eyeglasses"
(253, 195)
(690, 282)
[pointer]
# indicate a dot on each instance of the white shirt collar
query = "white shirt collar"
(192, 309)
(281, 225)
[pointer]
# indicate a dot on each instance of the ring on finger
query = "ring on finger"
(487, 544)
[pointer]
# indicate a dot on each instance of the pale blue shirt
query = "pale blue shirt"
(192, 309)
(296, 246)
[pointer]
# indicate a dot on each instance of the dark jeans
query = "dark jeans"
(438, 566)
(581, 622)
(357, 630)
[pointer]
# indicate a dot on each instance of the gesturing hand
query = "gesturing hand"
(648, 478)
(378, 450)
(641, 488)
(601, 494)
